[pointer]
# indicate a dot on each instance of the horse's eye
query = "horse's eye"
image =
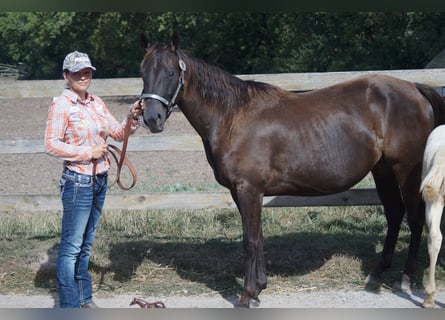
(171, 73)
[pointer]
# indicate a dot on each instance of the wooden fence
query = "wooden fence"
(288, 81)
(184, 200)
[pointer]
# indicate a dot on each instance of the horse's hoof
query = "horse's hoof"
(429, 301)
(404, 285)
(372, 282)
(243, 301)
(242, 305)
(428, 305)
(254, 303)
(249, 303)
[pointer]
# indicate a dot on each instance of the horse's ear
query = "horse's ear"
(174, 42)
(145, 44)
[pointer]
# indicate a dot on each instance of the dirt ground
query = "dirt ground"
(303, 299)
(39, 174)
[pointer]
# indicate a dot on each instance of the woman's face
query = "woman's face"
(79, 81)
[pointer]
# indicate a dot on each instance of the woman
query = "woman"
(76, 131)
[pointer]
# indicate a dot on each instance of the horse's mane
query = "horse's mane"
(217, 87)
(214, 86)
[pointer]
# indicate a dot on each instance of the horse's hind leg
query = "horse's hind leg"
(433, 214)
(415, 209)
(390, 196)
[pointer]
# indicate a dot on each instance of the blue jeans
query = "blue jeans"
(82, 207)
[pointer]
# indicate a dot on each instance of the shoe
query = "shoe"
(90, 305)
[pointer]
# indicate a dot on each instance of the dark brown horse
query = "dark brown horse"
(261, 140)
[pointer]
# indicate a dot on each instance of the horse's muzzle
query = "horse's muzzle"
(154, 115)
(155, 124)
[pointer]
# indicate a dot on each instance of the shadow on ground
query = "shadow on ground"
(219, 263)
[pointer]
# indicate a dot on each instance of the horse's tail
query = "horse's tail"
(433, 173)
(436, 101)
(433, 185)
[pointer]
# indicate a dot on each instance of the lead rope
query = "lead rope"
(94, 183)
(121, 160)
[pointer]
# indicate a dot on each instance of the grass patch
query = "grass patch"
(191, 252)
(176, 187)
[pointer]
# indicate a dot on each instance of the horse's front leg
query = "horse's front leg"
(250, 206)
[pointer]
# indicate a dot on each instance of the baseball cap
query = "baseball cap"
(76, 61)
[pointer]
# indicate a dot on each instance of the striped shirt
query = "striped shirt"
(74, 127)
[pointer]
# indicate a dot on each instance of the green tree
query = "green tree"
(367, 40)
(35, 39)
(240, 42)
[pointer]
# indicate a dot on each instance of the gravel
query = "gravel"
(304, 299)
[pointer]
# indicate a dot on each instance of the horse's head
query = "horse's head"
(163, 76)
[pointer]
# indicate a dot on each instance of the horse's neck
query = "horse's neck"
(202, 118)
(202, 113)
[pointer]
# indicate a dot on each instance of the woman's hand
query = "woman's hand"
(99, 151)
(136, 110)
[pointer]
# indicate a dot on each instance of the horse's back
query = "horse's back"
(309, 141)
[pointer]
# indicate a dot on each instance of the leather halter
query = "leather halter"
(168, 105)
